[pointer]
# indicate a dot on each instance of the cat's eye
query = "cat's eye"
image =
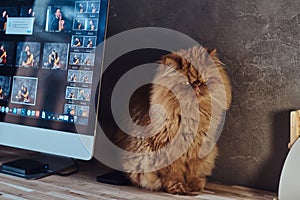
(205, 81)
(186, 83)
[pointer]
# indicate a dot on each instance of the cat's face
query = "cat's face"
(190, 77)
(197, 69)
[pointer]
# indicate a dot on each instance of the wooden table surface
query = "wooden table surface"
(83, 185)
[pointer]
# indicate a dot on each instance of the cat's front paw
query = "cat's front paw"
(176, 187)
(197, 184)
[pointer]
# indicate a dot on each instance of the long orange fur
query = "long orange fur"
(188, 173)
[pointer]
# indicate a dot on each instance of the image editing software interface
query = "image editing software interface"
(49, 64)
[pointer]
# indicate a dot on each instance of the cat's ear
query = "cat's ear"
(212, 52)
(172, 60)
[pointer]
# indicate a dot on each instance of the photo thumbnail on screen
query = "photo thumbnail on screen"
(72, 93)
(59, 18)
(7, 12)
(84, 94)
(81, 7)
(27, 11)
(28, 54)
(73, 75)
(88, 59)
(24, 90)
(79, 24)
(39, 12)
(89, 42)
(55, 56)
(77, 41)
(75, 58)
(86, 76)
(4, 87)
(92, 25)
(7, 53)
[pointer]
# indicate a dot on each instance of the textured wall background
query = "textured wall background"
(258, 40)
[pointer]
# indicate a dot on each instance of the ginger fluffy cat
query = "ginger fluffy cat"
(166, 154)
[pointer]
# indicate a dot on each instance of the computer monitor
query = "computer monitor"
(50, 69)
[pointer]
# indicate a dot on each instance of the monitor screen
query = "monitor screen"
(50, 67)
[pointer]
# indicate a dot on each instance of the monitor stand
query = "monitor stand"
(37, 167)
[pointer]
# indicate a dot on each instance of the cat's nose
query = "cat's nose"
(197, 87)
(196, 83)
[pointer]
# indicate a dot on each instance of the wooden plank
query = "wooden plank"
(94, 190)
(11, 197)
(9, 190)
(83, 185)
(240, 192)
(252, 191)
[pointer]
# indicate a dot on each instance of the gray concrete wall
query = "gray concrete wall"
(258, 40)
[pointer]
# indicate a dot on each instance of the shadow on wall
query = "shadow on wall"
(269, 175)
(250, 158)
